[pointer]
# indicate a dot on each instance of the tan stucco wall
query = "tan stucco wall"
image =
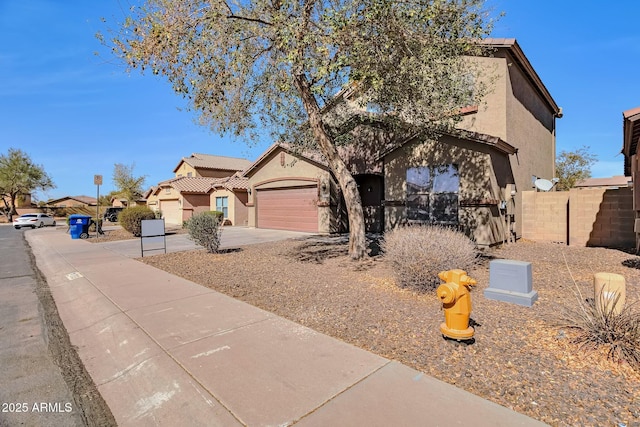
(477, 165)
(184, 170)
(193, 204)
(238, 211)
(152, 202)
(275, 172)
(516, 113)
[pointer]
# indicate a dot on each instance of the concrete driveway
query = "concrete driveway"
(232, 237)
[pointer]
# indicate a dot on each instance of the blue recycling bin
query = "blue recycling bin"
(79, 226)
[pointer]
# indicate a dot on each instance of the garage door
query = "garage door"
(288, 209)
(171, 212)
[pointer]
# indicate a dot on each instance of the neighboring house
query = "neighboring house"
(72, 202)
(22, 201)
(613, 182)
(631, 139)
(207, 165)
(151, 199)
(292, 191)
(119, 202)
(471, 180)
(202, 183)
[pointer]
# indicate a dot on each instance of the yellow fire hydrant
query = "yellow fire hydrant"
(456, 301)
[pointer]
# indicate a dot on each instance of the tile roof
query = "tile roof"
(614, 181)
(187, 184)
(202, 185)
(84, 199)
(234, 182)
(209, 161)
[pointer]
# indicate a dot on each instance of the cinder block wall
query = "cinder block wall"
(545, 216)
(601, 217)
(586, 217)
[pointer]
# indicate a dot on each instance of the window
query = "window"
(432, 194)
(222, 205)
(189, 174)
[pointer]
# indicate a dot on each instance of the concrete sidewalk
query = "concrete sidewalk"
(165, 351)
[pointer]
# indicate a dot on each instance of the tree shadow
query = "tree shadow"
(317, 249)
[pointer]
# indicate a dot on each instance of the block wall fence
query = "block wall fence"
(580, 217)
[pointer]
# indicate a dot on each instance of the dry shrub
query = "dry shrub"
(419, 253)
(620, 333)
(204, 229)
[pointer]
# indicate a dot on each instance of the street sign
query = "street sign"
(97, 179)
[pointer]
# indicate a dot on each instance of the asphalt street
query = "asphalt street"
(32, 387)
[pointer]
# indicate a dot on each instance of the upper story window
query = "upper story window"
(432, 194)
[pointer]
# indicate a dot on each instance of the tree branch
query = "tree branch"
(244, 18)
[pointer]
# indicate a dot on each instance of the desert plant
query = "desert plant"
(419, 253)
(131, 218)
(204, 229)
(597, 327)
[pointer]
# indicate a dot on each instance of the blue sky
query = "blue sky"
(77, 114)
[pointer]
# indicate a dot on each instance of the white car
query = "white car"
(33, 220)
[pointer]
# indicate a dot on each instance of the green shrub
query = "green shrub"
(204, 229)
(131, 218)
(418, 253)
(218, 214)
(619, 332)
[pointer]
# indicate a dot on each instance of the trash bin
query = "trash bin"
(79, 226)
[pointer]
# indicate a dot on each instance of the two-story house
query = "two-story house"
(202, 182)
(470, 179)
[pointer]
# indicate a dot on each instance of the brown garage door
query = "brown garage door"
(288, 209)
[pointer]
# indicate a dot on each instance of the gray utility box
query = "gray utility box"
(511, 281)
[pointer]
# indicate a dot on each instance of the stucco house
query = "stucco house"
(289, 190)
(72, 202)
(471, 179)
(202, 182)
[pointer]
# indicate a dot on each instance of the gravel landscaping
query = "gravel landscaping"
(520, 358)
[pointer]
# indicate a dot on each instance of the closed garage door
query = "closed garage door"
(171, 212)
(288, 209)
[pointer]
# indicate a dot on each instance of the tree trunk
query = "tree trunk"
(357, 239)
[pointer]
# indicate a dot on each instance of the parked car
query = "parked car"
(33, 220)
(111, 214)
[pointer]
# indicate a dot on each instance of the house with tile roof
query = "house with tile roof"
(72, 201)
(209, 166)
(202, 182)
